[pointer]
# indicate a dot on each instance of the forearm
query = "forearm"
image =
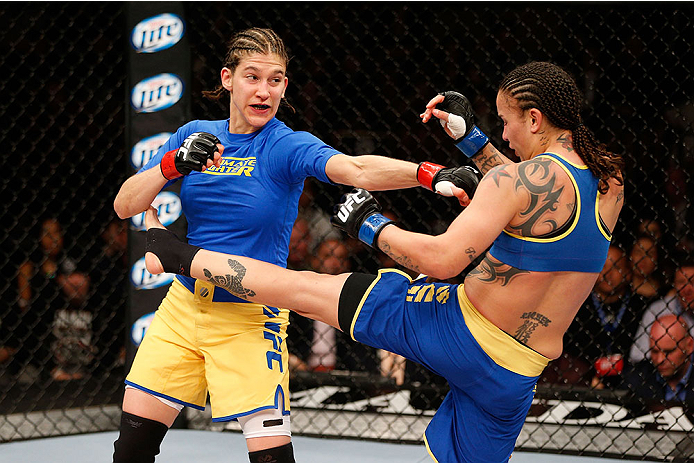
(137, 193)
(419, 252)
(374, 173)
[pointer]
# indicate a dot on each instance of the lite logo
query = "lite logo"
(347, 206)
(156, 93)
(139, 328)
(142, 279)
(147, 148)
(169, 209)
(157, 33)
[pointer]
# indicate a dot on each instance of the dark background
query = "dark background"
(359, 76)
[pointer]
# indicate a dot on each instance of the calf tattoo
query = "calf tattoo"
(531, 320)
(232, 283)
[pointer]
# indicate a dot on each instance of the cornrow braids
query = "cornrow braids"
(550, 89)
(245, 43)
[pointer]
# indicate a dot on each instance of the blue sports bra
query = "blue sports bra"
(579, 246)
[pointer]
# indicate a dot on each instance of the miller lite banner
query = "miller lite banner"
(158, 102)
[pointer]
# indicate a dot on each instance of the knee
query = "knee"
(139, 439)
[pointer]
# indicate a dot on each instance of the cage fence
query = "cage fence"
(359, 75)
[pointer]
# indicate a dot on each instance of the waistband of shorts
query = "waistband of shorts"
(218, 294)
(499, 345)
(203, 293)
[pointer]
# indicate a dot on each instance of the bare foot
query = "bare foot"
(152, 262)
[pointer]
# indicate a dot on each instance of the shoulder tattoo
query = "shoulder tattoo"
(539, 181)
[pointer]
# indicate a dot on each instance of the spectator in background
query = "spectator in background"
(647, 272)
(679, 302)
(667, 376)
(108, 276)
(598, 340)
(330, 348)
(52, 296)
(300, 328)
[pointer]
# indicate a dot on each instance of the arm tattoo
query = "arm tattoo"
(543, 195)
(566, 142)
(472, 255)
(492, 271)
(232, 283)
(402, 260)
(531, 320)
(485, 162)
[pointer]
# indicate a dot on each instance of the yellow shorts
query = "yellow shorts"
(237, 351)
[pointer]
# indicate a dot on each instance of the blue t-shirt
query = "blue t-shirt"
(248, 205)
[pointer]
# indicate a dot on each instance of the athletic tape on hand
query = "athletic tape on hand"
(456, 124)
(445, 188)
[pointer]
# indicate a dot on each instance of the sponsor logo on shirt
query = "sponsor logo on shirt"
(157, 33)
(233, 166)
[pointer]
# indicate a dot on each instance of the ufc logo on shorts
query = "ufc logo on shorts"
(346, 208)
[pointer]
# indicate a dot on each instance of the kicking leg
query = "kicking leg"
(310, 294)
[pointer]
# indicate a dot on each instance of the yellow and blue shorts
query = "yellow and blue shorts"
(492, 376)
(236, 351)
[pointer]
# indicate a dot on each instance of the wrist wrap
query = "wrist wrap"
(473, 142)
(371, 228)
(426, 173)
(175, 255)
(168, 165)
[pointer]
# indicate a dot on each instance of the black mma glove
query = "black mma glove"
(359, 215)
(439, 178)
(192, 155)
(461, 122)
(175, 255)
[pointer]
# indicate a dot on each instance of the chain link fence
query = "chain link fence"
(359, 76)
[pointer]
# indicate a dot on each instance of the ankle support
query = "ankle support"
(175, 255)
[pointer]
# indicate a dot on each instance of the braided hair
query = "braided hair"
(550, 89)
(245, 43)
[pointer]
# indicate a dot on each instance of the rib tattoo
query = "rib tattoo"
(232, 283)
(492, 271)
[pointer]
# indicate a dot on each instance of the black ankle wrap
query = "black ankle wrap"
(175, 255)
